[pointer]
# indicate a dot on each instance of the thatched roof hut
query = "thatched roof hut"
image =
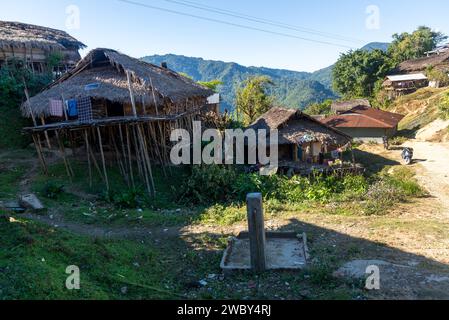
(17, 35)
(35, 43)
(439, 61)
(295, 126)
(108, 71)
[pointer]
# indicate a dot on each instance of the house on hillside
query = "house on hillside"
(112, 104)
(438, 61)
(343, 106)
(34, 45)
(366, 124)
(439, 50)
(398, 85)
(303, 141)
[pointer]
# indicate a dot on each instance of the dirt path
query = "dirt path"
(432, 163)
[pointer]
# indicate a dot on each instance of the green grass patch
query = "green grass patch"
(9, 181)
(34, 258)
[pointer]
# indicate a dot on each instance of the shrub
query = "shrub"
(380, 196)
(444, 107)
(209, 183)
(129, 199)
(53, 190)
(398, 141)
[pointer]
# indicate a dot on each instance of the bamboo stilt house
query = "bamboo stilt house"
(119, 109)
(34, 45)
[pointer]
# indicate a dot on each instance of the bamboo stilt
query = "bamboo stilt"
(103, 159)
(63, 154)
(37, 144)
(47, 138)
(130, 162)
(86, 140)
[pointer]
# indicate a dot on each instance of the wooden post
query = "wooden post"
(256, 232)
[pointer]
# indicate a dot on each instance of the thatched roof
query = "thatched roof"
(108, 69)
(422, 63)
(18, 35)
(294, 126)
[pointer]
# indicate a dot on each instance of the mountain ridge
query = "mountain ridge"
(295, 89)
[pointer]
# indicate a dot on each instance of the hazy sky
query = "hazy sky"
(139, 30)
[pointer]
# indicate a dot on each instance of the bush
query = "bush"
(130, 199)
(53, 190)
(444, 107)
(380, 196)
(208, 184)
(398, 141)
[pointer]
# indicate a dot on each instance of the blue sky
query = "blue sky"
(140, 31)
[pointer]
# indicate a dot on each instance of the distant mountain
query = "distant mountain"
(292, 89)
(376, 45)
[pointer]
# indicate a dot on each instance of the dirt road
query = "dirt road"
(432, 162)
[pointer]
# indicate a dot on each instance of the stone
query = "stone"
(30, 201)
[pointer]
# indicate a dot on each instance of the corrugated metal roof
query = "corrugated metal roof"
(407, 77)
(363, 117)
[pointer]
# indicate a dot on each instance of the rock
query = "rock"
(124, 290)
(203, 283)
(30, 201)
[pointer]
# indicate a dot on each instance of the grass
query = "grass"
(33, 260)
(9, 181)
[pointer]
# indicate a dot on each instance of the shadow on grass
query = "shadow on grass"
(372, 162)
(329, 250)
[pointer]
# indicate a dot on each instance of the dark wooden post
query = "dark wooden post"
(256, 231)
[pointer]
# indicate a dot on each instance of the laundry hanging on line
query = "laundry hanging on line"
(85, 110)
(72, 107)
(56, 108)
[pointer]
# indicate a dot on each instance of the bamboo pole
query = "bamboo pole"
(103, 159)
(36, 141)
(86, 140)
(130, 162)
(133, 102)
(147, 159)
(47, 138)
(63, 154)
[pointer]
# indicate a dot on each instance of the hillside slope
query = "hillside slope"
(421, 112)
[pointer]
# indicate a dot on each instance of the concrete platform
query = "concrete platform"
(284, 251)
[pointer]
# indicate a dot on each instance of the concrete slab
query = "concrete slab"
(284, 251)
(30, 201)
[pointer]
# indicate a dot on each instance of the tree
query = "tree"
(356, 72)
(323, 108)
(408, 46)
(252, 100)
(213, 85)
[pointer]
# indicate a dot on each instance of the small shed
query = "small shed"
(35, 44)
